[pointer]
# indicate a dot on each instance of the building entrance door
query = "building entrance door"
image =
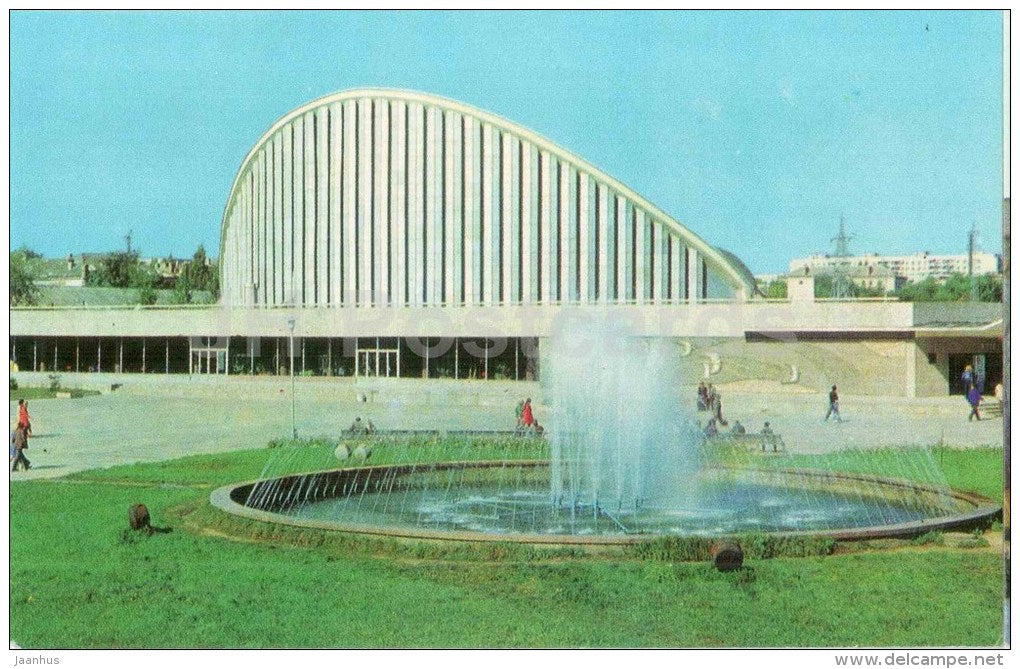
(380, 362)
(986, 366)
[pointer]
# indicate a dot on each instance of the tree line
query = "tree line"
(121, 269)
(956, 288)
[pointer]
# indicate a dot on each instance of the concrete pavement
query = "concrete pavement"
(156, 417)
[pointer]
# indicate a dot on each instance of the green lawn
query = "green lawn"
(76, 581)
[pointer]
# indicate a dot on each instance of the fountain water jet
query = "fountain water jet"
(619, 441)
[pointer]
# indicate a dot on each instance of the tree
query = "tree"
(990, 288)
(182, 290)
(28, 253)
(776, 289)
(919, 291)
(956, 288)
(147, 289)
(120, 269)
(824, 288)
(200, 273)
(23, 288)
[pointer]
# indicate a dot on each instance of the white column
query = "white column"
(256, 237)
(545, 249)
(278, 227)
(602, 261)
(459, 178)
(299, 209)
(415, 203)
(661, 267)
(489, 174)
(349, 204)
(568, 240)
(381, 200)
(265, 262)
(267, 219)
(399, 196)
(527, 223)
(365, 201)
(450, 255)
(260, 240)
(287, 217)
(582, 239)
(622, 246)
(252, 214)
(512, 178)
(640, 262)
(676, 263)
(266, 226)
(325, 267)
(309, 208)
(506, 221)
(432, 174)
(470, 181)
(693, 275)
(248, 239)
(336, 218)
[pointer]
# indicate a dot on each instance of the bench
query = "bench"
(751, 439)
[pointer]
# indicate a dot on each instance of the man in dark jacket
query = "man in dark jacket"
(20, 441)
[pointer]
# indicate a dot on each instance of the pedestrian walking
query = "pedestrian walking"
(20, 442)
(527, 415)
(833, 406)
(974, 398)
(23, 417)
(519, 413)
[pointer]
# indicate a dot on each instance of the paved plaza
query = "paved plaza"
(156, 417)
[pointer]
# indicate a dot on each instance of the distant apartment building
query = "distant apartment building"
(916, 267)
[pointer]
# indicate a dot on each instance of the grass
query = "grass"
(977, 470)
(76, 582)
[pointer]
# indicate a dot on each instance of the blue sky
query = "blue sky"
(755, 129)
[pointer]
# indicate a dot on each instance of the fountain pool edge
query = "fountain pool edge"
(981, 509)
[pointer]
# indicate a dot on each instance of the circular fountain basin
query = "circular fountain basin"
(511, 501)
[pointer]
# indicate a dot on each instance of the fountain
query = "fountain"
(624, 462)
(620, 444)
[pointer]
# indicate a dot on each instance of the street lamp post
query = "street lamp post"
(293, 400)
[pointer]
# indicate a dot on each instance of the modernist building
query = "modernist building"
(388, 198)
(392, 233)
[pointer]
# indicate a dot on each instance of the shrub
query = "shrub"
(14, 383)
(147, 295)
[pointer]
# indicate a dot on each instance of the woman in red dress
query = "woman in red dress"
(527, 416)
